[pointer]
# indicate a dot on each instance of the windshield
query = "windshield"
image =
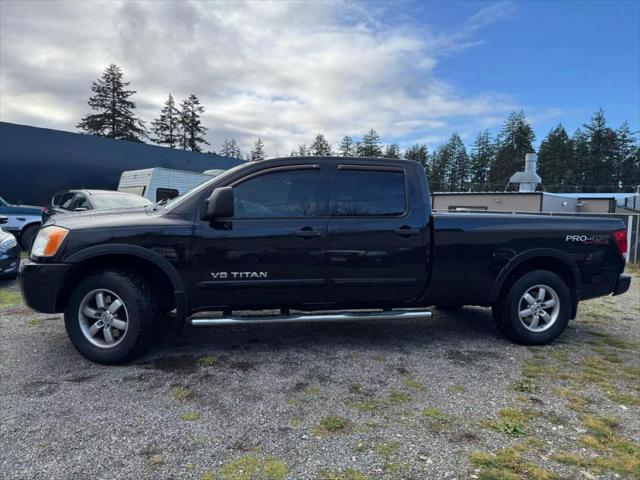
(118, 200)
(175, 201)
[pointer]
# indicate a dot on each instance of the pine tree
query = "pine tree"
(347, 147)
(482, 158)
(392, 151)
(192, 131)
(627, 166)
(580, 142)
(601, 160)
(320, 146)
(115, 117)
(166, 128)
(420, 154)
(370, 145)
(257, 152)
(440, 165)
(231, 149)
(303, 150)
(458, 171)
(513, 143)
(556, 160)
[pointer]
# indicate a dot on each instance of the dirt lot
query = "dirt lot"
(439, 398)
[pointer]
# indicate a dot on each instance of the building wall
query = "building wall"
(558, 204)
(37, 162)
(597, 205)
(499, 201)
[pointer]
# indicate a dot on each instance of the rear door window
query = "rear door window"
(358, 191)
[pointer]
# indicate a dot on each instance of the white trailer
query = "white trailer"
(159, 183)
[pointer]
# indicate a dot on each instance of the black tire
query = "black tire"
(27, 236)
(506, 310)
(141, 310)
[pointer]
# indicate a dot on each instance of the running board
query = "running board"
(320, 317)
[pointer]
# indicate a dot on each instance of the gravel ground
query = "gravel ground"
(440, 398)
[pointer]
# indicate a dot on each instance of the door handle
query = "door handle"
(406, 231)
(308, 232)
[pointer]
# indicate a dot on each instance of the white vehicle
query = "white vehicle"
(160, 183)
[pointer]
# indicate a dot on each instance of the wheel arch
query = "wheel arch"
(162, 275)
(542, 259)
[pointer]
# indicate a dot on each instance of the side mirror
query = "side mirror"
(3, 219)
(220, 204)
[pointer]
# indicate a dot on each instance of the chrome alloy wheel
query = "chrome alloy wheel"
(539, 308)
(103, 318)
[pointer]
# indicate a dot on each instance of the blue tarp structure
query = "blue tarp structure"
(37, 162)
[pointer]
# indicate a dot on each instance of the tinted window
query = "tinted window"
(367, 192)
(60, 199)
(166, 193)
(285, 194)
(82, 202)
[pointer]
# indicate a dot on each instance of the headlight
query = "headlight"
(48, 241)
(8, 242)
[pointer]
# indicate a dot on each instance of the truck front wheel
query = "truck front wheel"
(110, 316)
(533, 309)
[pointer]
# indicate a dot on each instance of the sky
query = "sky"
(285, 70)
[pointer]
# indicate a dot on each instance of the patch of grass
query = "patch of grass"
(434, 413)
(181, 393)
(314, 391)
(333, 424)
(249, 467)
(208, 361)
(189, 416)
(9, 298)
(413, 384)
(510, 421)
(607, 353)
(387, 449)
(355, 388)
(294, 402)
(378, 358)
(396, 397)
(295, 422)
(577, 403)
(613, 341)
(35, 322)
(526, 386)
(540, 368)
(614, 453)
(457, 389)
(366, 405)
(156, 460)
(348, 474)
(621, 398)
(509, 464)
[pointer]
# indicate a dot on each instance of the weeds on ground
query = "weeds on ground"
(510, 464)
(348, 474)
(250, 467)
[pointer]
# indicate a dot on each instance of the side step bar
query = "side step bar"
(319, 317)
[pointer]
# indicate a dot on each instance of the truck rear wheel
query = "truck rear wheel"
(533, 309)
(110, 317)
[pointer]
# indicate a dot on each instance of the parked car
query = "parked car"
(70, 201)
(23, 221)
(314, 234)
(9, 252)
(159, 183)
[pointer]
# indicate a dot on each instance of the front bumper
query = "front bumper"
(622, 284)
(40, 284)
(9, 261)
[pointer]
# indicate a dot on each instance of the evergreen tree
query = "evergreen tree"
(514, 142)
(190, 125)
(320, 146)
(482, 158)
(440, 164)
(626, 165)
(392, 151)
(601, 159)
(257, 152)
(370, 145)
(115, 117)
(458, 168)
(420, 154)
(166, 128)
(303, 150)
(556, 160)
(580, 142)
(231, 149)
(347, 147)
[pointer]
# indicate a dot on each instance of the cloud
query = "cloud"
(282, 71)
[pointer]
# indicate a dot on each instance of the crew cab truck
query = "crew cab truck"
(355, 236)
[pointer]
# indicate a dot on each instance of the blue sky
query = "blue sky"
(573, 57)
(287, 70)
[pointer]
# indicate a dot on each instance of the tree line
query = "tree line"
(595, 158)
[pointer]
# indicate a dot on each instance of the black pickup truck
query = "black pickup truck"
(307, 236)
